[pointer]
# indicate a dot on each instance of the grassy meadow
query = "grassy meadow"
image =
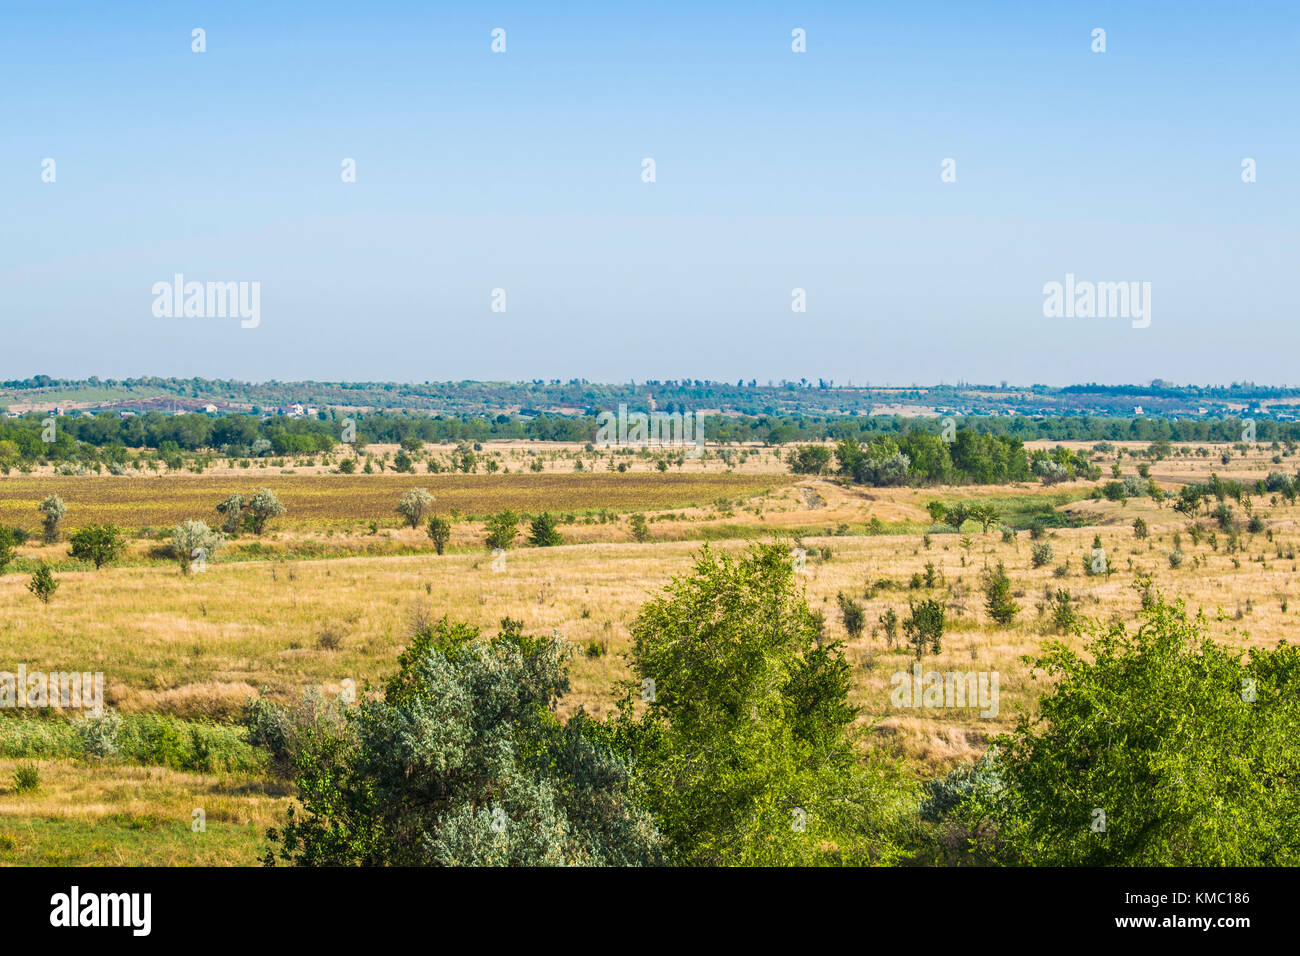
(324, 598)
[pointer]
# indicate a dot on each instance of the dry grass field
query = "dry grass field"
(285, 617)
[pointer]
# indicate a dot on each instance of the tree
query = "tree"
(1139, 528)
(43, 584)
(440, 532)
(100, 544)
(640, 530)
(854, 616)
(231, 511)
(260, 509)
(924, 626)
(728, 664)
(7, 553)
(810, 459)
(52, 510)
(543, 533)
(193, 541)
(1111, 769)
(997, 596)
(413, 506)
(465, 762)
(501, 529)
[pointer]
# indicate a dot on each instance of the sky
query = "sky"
(774, 170)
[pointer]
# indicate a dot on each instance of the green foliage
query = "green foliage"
(7, 552)
(464, 762)
(439, 530)
(731, 658)
(501, 529)
(1188, 749)
(43, 584)
(640, 530)
(27, 777)
(889, 621)
(232, 514)
(260, 509)
(854, 616)
(810, 459)
(52, 511)
(924, 626)
(193, 541)
(997, 596)
(1040, 554)
(99, 544)
(543, 532)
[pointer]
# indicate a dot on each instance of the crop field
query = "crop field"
(324, 501)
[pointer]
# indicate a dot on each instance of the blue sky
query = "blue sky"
(774, 170)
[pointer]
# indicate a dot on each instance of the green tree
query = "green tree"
(729, 665)
(640, 530)
(413, 505)
(260, 509)
(501, 529)
(543, 533)
(465, 762)
(43, 584)
(440, 532)
(997, 596)
(1111, 769)
(924, 626)
(232, 512)
(854, 616)
(100, 544)
(7, 553)
(52, 511)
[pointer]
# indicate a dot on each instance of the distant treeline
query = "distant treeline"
(79, 436)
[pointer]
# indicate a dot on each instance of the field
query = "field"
(324, 599)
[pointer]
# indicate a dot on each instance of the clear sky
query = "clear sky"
(774, 170)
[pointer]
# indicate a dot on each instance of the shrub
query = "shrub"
(924, 626)
(1139, 528)
(543, 533)
(193, 541)
(854, 617)
(501, 529)
(27, 777)
(1041, 554)
(997, 596)
(463, 762)
(7, 553)
(43, 584)
(439, 530)
(99, 544)
(1126, 728)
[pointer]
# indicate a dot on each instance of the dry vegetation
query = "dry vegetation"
(199, 646)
